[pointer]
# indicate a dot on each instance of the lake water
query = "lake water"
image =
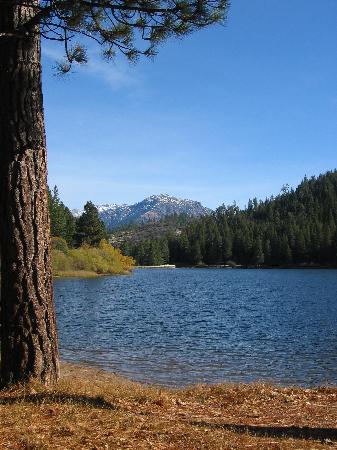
(180, 326)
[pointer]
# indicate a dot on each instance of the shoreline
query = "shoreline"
(90, 408)
(86, 274)
(71, 367)
(91, 274)
(160, 266)
(242, 267)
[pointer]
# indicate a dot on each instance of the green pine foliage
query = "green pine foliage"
(89, 227)
(298, 227)
(132, 28)
(62, 222)
(153, 252)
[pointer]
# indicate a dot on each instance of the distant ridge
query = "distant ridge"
(151, 209)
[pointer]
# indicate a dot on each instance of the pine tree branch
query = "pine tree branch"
(45, 12)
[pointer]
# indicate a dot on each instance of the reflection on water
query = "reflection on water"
(182, 326)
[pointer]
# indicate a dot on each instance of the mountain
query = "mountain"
(151, 209)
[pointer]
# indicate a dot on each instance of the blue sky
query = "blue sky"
(225, 114)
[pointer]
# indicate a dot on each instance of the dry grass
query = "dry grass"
(76, 274)
(91, 409)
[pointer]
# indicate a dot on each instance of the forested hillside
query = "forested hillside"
(150, 231)
(296, 227)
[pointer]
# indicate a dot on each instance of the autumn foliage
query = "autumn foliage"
(86, 260)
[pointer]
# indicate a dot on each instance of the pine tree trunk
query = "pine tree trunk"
(28, 331)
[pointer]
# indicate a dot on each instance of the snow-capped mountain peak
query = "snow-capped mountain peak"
(151, 209)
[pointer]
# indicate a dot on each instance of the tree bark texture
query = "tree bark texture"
(28, 330)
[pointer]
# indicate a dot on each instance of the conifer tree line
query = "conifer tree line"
(296, 227)
(151, 252)
(87, 229)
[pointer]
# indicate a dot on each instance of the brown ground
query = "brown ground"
(91, 409)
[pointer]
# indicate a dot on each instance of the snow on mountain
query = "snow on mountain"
(114, 215)
(77, 212)
(150, 209)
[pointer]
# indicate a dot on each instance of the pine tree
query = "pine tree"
(165, 252)
(227, 245)
(195, 257)
(139, 253)
(258, 255)
(267, 251)
(300, 247)
(213, 244)
(62, 222)
(284, 251)
(184, 249)
(89, 227)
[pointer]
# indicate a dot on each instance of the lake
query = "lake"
(175, 327)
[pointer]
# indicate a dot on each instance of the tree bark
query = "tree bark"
(28, 330)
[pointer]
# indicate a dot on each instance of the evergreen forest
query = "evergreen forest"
(296, 228)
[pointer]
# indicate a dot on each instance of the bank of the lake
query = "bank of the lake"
(250, 266)
(159, 266)
(77, 274)
(93, 409)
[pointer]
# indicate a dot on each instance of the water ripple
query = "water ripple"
(176, 327)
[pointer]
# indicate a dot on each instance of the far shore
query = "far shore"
(239, 266)
(248, 266)
(92, 274)
(84, 274)
(159, 266)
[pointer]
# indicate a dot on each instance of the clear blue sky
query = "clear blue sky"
(225, 114)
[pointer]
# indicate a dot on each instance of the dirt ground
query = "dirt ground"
(93, 409)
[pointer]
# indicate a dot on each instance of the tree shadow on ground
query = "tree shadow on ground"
(96, 402)
(320, 434)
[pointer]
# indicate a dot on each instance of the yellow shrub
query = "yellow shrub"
(118, 263)
(103, 259)
(60, 261)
